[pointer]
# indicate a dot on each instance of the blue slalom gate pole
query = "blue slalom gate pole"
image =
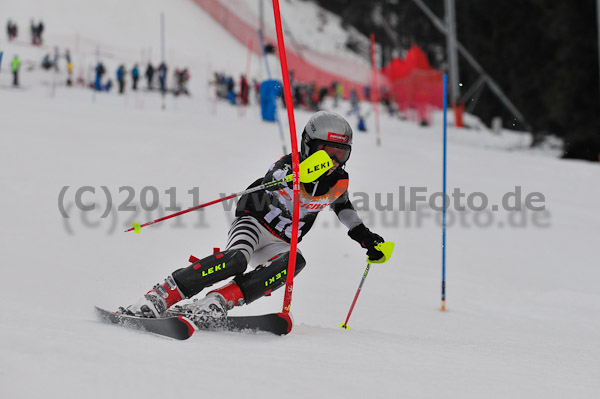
(444, 196)
(1, 53)
(262, 46)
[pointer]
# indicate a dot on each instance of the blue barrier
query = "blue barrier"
(270, 91)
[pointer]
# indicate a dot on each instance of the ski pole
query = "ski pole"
(311, 169)
(362, 281)
(386, 249)
(136, 226)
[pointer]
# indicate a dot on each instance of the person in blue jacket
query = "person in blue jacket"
(135, 75)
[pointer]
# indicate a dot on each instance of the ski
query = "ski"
(181, 327)
(177, 327)
(274, 323)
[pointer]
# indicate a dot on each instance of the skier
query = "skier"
(261, 233)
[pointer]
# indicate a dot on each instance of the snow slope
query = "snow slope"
(522, 319)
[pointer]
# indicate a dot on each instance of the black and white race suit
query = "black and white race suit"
(273, 209)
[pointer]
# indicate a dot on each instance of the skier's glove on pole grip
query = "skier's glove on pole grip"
(368, 240)
(276, 187)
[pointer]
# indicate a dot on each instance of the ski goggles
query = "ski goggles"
(339, 152)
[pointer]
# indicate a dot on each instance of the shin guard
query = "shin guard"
(268, 277)
(210, 270)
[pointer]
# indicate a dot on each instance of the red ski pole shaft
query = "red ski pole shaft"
(362, 281)
(251, 190)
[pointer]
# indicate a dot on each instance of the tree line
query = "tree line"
(542, 53)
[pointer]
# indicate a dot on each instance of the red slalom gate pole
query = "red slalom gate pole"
(375, 90)
(289, 283)
(249, 59)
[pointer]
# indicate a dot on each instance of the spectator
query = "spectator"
(269, 48)
(69, 67)
(339, 90)
(230, 87)
(121, 78)
(367, 93)
(135, 75)
(36, 33)
(221, 85)
(11, 29)
(40, 30)
(149, 75)
(33, 29)
(322, 93)
(100, 71)
(70, 73)
(55, 60)
(336, 97)
(162, 77)
(256, 90)
(46, 62)
(362, 127)
(386, 99)
(354, 103)
(14, 66)
(297, 96)
(182, 77)
(243, 90)
(231, 90)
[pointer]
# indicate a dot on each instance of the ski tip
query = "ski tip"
(105, 315)
(101, 311)
(189, 324)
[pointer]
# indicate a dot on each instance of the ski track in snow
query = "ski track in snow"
(522, 319)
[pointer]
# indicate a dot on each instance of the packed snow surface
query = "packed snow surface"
(522, 319)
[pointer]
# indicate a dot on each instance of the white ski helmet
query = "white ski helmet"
(327, 131)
